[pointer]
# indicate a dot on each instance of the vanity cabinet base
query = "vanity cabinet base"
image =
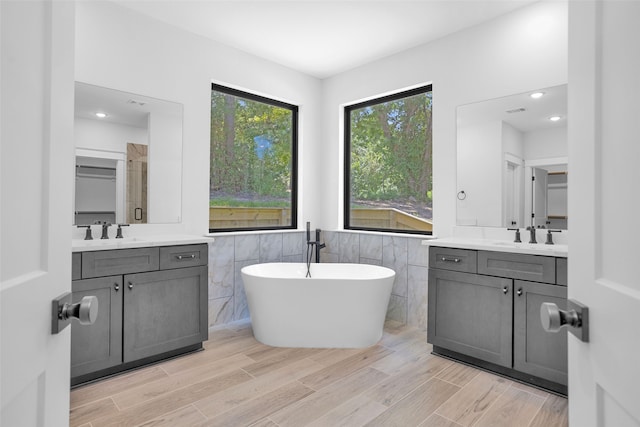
(489, 315)
(149, 310)
(501, 370)
(141, 363)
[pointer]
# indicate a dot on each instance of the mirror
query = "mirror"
(128, 157)
(512, 160)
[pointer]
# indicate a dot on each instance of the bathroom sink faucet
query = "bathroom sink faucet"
(517, 238)
(105, 230)
(87, 235)
(532, 233)
(550, 237)
(119, 231)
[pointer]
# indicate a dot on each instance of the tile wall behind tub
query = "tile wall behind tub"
(405, 255)
(227, 256)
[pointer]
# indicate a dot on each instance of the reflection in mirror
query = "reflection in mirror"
(128, 157)
(512, 160)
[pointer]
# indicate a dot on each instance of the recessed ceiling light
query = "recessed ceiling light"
(101, 115)
(537, 95)
(554, 118)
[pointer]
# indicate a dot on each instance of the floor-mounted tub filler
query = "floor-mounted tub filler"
(340, 306)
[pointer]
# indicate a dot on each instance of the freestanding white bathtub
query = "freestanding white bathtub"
(339, 306)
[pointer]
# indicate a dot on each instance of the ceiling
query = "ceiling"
(120, 107)
(323, 38)
(521, 111)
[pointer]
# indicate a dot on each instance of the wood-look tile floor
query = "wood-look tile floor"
(237, 381)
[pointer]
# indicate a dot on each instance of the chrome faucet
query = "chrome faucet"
(532, 233)
(105, 230)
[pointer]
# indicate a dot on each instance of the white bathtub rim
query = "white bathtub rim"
(255, 270)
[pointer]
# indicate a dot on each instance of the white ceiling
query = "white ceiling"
(323, 38)
(520, 111)
(121, 107)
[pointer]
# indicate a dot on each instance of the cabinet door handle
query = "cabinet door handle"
(505, 290)
(181, 257)
(447, 259)
(116, 286)
(130, 285)
(519, 292)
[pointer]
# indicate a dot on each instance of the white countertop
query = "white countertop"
(557, 250)
(137, 242)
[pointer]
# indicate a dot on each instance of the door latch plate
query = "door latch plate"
(581, 331)
(58, 323)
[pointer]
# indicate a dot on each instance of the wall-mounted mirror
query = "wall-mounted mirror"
(512, 160)
(128, 157)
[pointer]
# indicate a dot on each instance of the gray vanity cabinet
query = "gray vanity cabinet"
(536, 351)
(99, 346)
(162, 311)
(484, 309)
(152, 304)
(472, 315)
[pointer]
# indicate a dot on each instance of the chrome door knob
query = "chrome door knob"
(86, 311)
(553, 319)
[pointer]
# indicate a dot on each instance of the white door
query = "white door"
(36, 156)
(512, 192)
(604, 152)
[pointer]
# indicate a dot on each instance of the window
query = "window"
(388, 164)
(253, 165)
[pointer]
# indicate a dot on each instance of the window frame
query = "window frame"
(347, 157)
(294, 155)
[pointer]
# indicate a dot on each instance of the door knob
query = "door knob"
(553, 319)
(575, 318)
(62, 310)
(86, 311)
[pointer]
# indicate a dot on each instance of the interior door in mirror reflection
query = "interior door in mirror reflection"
(539, 213)
(137, 167)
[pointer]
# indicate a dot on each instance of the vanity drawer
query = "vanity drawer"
(561, 271)
(453, 259)
(120, 261)
(183, 256)
(76, 266)
(534, 268)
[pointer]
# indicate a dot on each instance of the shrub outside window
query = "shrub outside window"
(388, 163)
(253, 163)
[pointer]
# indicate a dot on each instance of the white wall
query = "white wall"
(546, 143)
(480, 174)
(517, 52)
(512, 140)
(103, 136)
(165, 182)
(121, 49)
